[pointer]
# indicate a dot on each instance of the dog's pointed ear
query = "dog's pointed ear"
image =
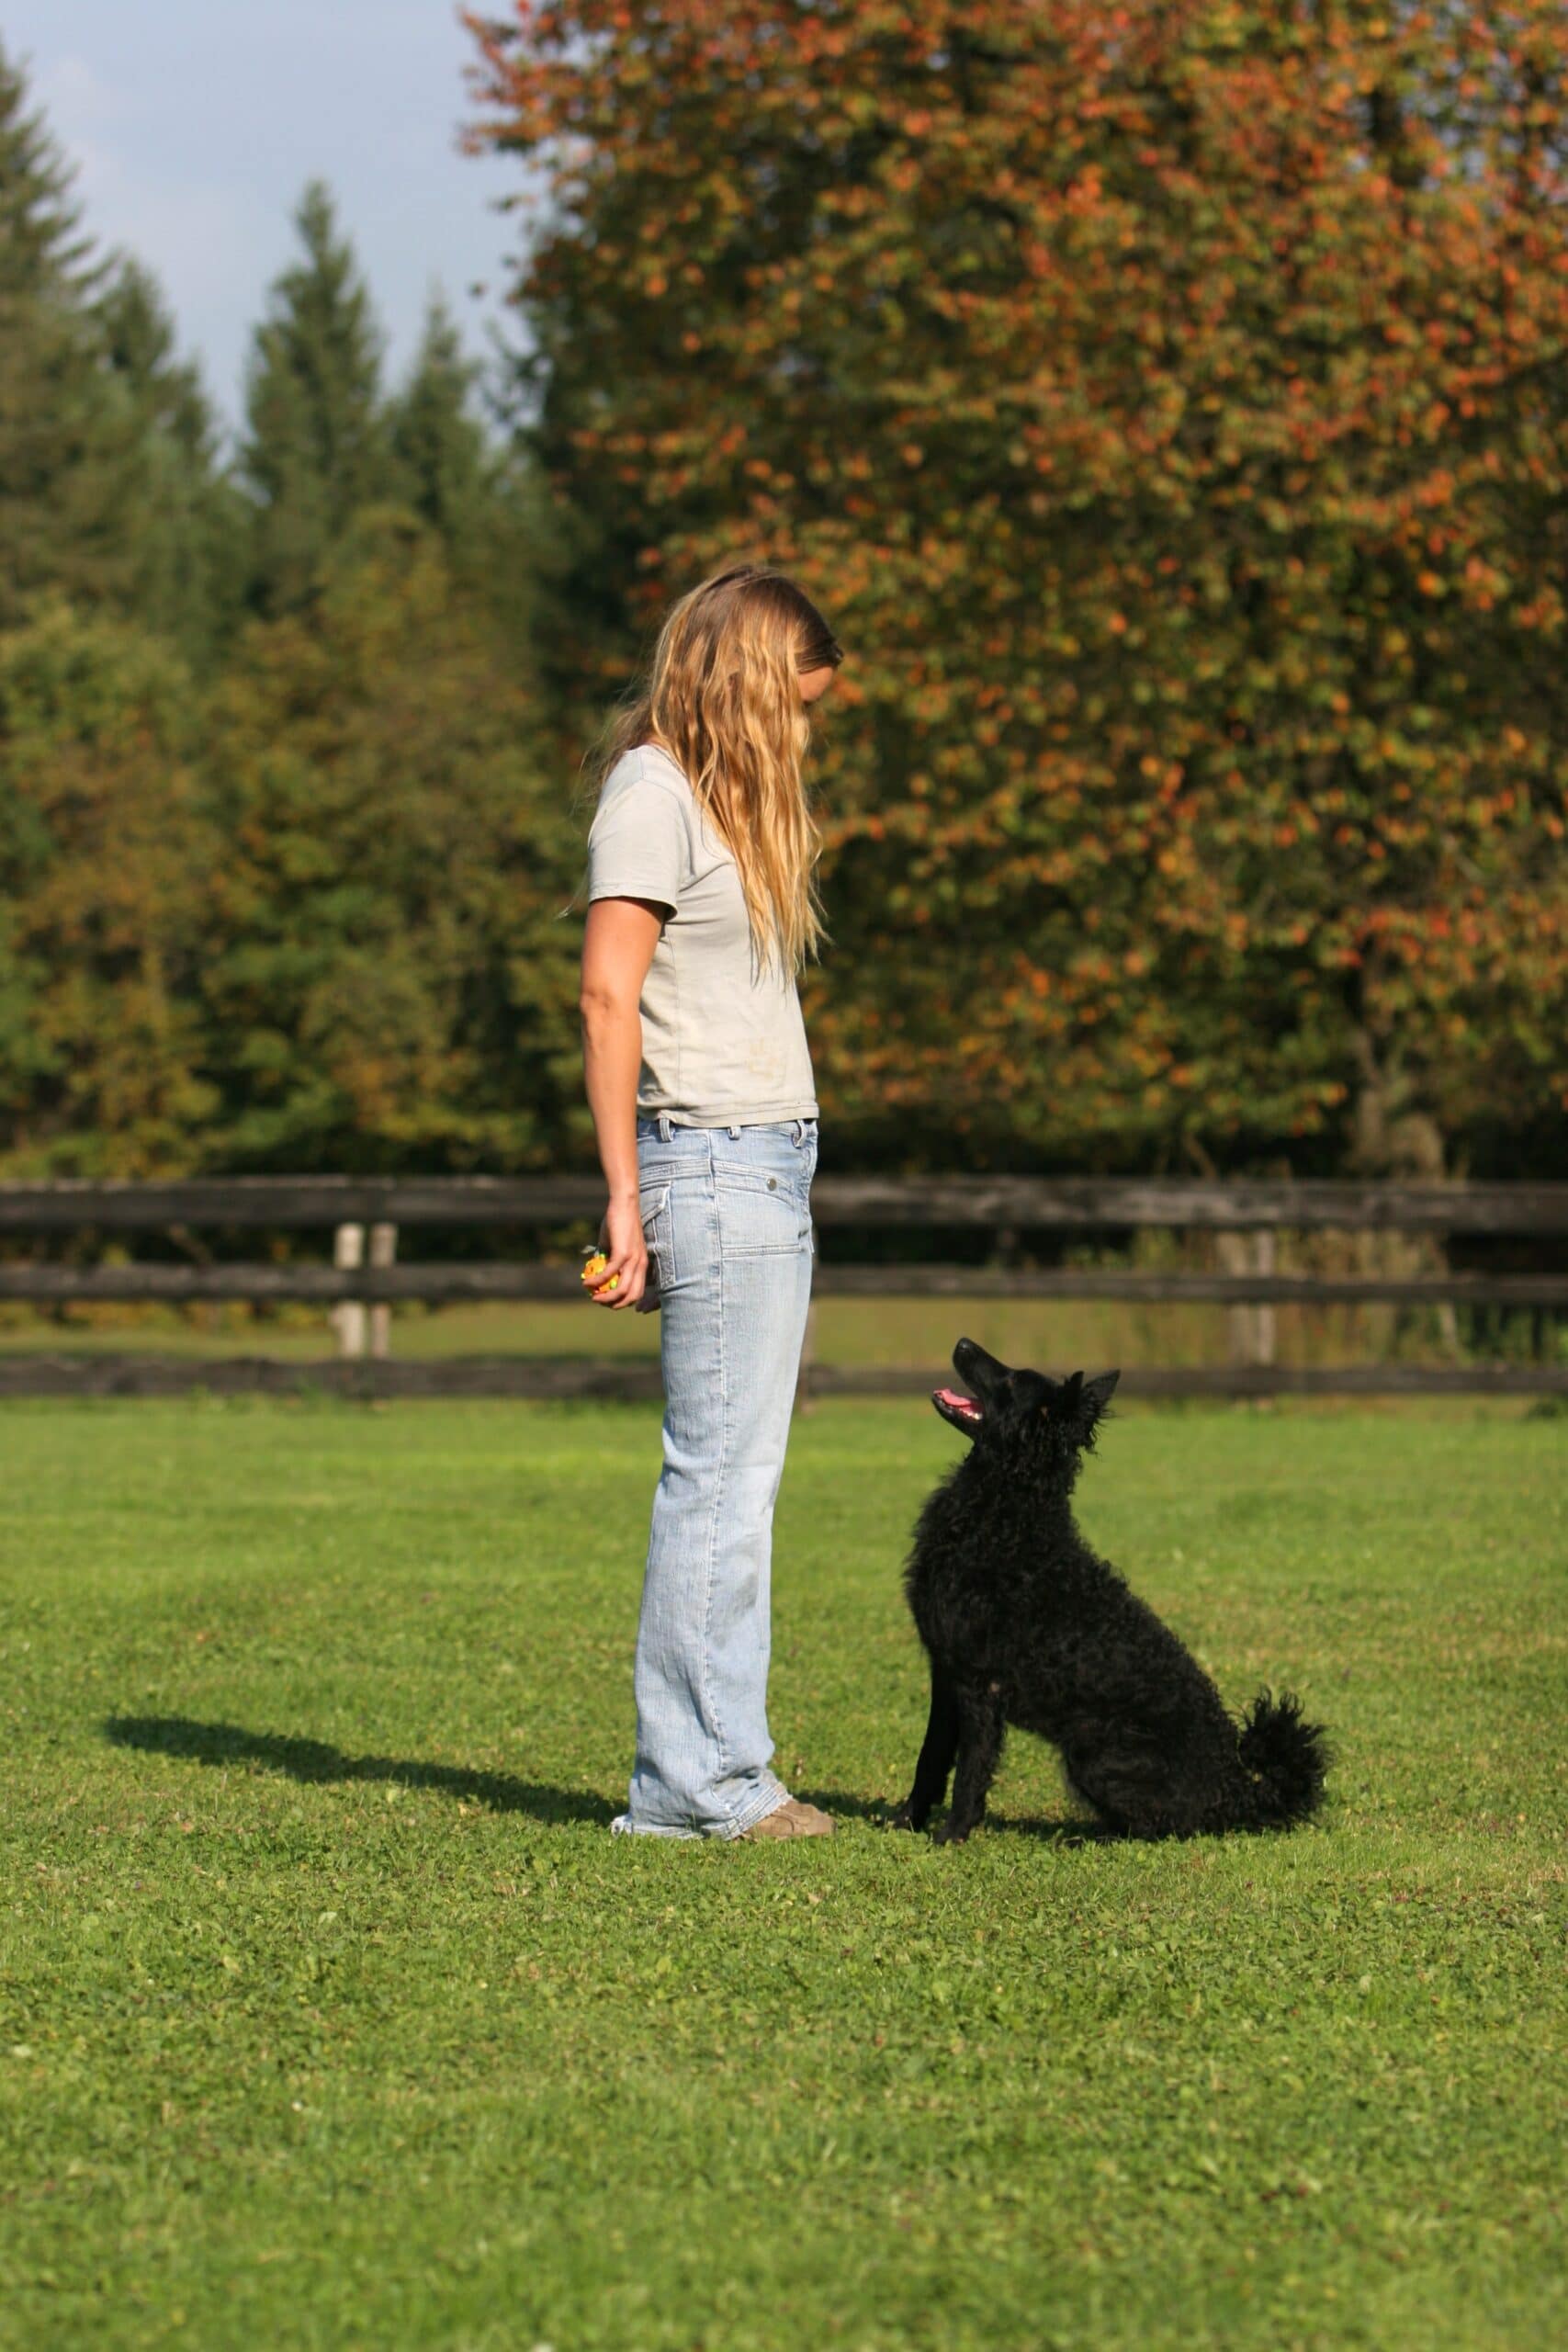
(1079, 1404)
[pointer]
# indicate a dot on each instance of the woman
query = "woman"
(702, 907)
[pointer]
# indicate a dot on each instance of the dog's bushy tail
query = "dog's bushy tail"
(1286, 1758)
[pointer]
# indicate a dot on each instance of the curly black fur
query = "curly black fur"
(1024, 1624)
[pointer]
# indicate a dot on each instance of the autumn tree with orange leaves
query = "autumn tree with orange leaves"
(1169, 403)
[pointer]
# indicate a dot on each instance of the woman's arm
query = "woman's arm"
(617, 948)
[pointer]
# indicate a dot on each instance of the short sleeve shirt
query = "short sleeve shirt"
(722, 1040)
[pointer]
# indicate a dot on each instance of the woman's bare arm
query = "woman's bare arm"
(617, 948)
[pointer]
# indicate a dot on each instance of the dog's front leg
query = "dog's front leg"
(982, 1727)
(937, 1752)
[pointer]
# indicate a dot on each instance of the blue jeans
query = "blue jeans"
(726, 1213)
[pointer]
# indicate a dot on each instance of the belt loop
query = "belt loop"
(664, 1127)
(734, 1134)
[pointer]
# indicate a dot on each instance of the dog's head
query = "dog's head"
(1012, 1408)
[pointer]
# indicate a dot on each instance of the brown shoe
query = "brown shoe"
(791, 1819)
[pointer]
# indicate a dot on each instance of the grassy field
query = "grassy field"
(334, 2018)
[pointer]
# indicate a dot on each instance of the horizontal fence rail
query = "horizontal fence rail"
(1003, 1201)
(1244, 1218)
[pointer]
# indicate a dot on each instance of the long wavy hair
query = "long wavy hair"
(721, 698)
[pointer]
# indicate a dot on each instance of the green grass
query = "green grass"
(334, 2018)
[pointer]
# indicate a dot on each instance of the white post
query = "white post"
(383, 1251)
(1235, 1255)
(1252, 1322)
(348, 1315)
(1263, 1327)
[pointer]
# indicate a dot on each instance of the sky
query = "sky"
(194, 124)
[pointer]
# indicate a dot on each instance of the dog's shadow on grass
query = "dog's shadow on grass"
(1069, 1830)
(316, 1760)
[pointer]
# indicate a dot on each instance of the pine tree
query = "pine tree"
(105, 901)
(139, 344)
(41, 244)
(189, 520)
(391, 986)
(316, 452)
(482, 498)
(438, 442)
(64, 447)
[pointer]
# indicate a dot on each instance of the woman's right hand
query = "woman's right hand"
(620, 1237)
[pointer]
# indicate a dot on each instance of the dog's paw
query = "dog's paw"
(904, 1820)
(947, 1836)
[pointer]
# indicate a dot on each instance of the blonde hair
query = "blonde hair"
(721, 698)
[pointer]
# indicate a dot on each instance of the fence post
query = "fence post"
(1263, 1322)
(1233, 1253)
(1252, 1322)
(348, 1315)
(383, 1252)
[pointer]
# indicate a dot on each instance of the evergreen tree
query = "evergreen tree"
(316, 451)
(105, 896)
(481, 498)
(392, 987)
(41, 244)
(64, 446)
(438, 442)
(189, 520)
(139, 344)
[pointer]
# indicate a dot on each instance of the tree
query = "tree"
(480, 497)
(392, 988)
(105, 869)
(1167, 404)
(63, 450)
(437, 442)
(316, 449)
(187, 521)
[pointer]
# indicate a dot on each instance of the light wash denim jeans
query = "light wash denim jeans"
(726, 1213)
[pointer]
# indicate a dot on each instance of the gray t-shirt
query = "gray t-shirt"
(723, 1042)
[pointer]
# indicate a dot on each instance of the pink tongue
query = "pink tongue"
(952, 1396)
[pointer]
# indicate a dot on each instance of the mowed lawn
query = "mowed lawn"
(334, 2017)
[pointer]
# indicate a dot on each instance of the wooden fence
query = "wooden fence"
(360, 1287)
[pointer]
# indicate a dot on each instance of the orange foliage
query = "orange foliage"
(1168, 404)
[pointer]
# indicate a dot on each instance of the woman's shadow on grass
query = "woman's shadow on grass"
(317, 1760)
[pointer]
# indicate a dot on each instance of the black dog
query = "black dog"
(1024, 1624)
